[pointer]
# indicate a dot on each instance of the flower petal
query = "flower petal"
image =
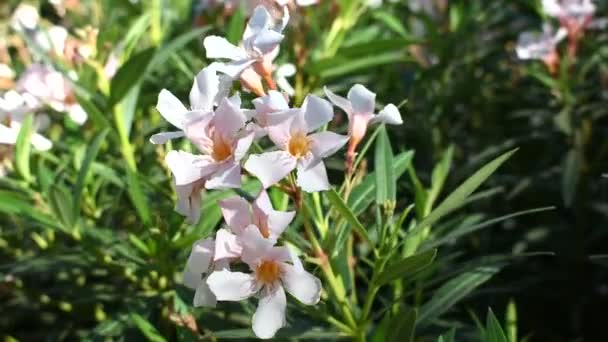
(237, 213)
(227, 245)
(280, 132)
(278, 221)
(339, 101)
(201, 256)
(232, 286)
(270, 314)
(324, 144)
(163, 137)
(77, 114)
(182, 165)
(236, 68)
(203, 296)
(270, 167)
(40, 142)
(266, 41)
(204, 90)
(255, 246)
(260, 19)
(243, 145)
(314, 178)
(228, 119)
(171, 108)
(317, 112)
(301, 284)
(227, 176)
(389, 115)
(362, 100)
(220, 47)
(273, 102)
(191, 279)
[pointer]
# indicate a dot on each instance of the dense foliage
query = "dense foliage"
(481, 218)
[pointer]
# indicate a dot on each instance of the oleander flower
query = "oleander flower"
(574, 15)
(13, 110)
(240, 214)
(298, 148)
(252, 59)
(42, 85)
(359, 106)
(274, 270)
(207, 90)
(541, 46)
(189, 181)
(25, 17)
(270, 110)
(200, 264)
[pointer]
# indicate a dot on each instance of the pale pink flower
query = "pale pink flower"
(360, 107)
(270, 110)
(46, 86)
(298, 148)
(191, 183)
(253, 58)
(200, 264)
(541, 46)
(207, 89)
(240, 214)
(13, 110)
(274, 270)
(574, 15)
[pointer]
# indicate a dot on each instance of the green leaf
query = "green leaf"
(83, 174)
(130, 75)
(147, 328)
(137, 196)
(452, 292)
(403, 326)
(347, 214)
(62, 204)
(439, 176)
(392, 22)
(23, 148)
(494, 332)
(459, 196)
(405, 267)
(236, 26)
(383, 163)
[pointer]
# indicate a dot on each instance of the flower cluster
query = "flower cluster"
(223, 132)
(574, 17)
(41, 86)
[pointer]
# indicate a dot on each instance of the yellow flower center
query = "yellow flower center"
(222, 149)
(298, 145)
(268, 272)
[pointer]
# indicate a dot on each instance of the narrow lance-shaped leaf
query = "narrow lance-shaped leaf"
(83, 174)
(452, 292)
(347, 214)
(406, 266)
(385, 181)
(494, 332)
(459, 196)
(23, 148)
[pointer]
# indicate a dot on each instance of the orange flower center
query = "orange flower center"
(268, 272)
(222, 149)
(298, 145)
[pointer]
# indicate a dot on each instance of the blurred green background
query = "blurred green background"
(96, 254)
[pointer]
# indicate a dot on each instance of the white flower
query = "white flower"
(206, 92)
(253, 58)
(199, 265)
(574, 15)
(25, 17)
(298, 149)
(13, 109)
(47, 86)
(535, 45)
(52, 40)
(240, 214)
(274, 270)
(360, 108)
